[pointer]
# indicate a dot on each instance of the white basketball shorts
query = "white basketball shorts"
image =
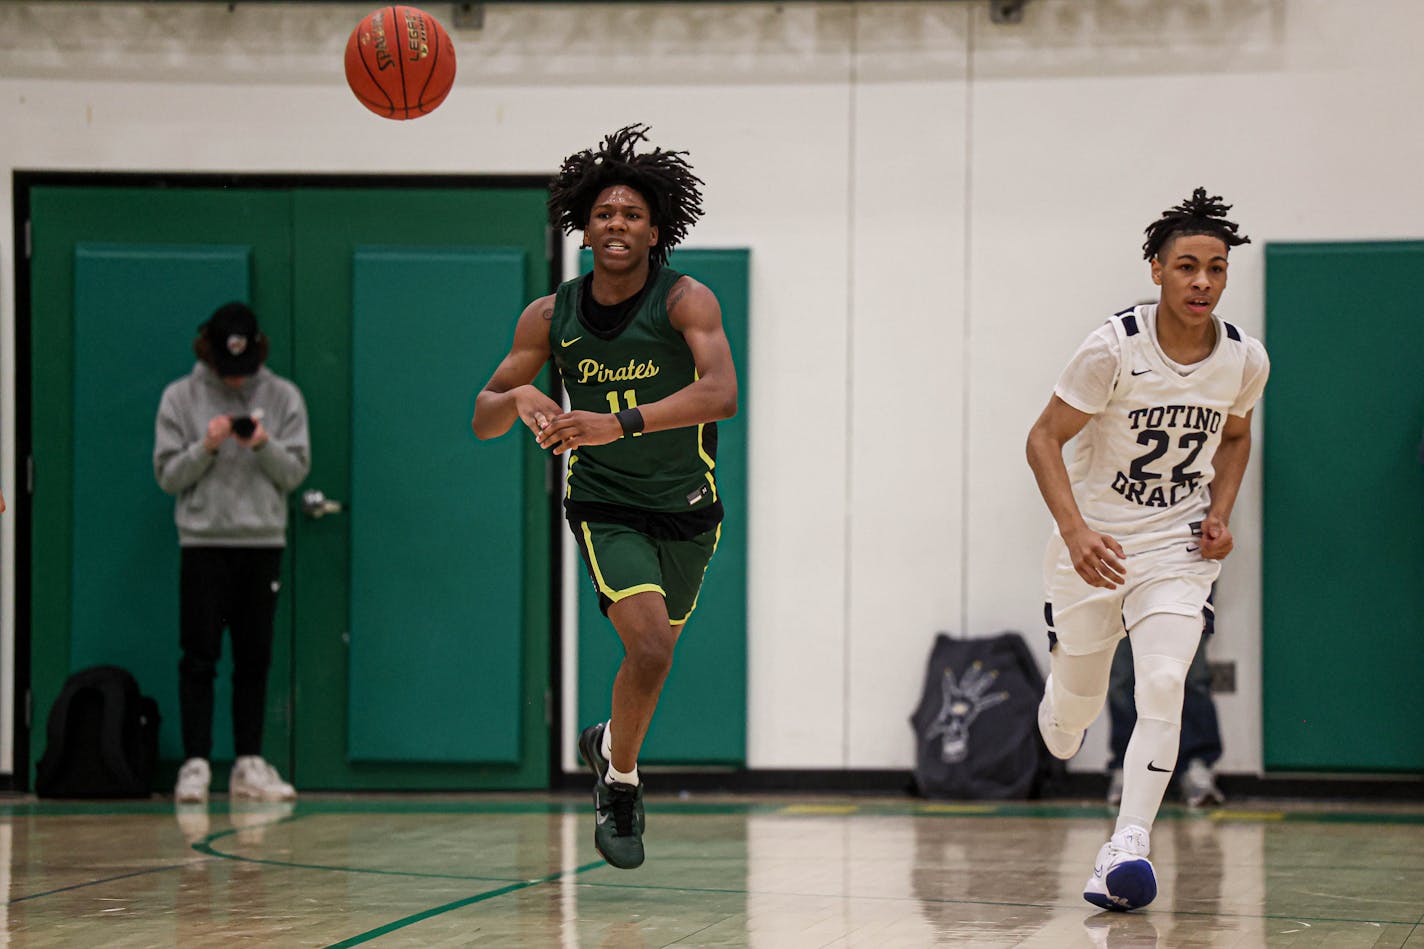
(1085, 619)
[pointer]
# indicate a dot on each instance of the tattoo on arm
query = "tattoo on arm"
(548, 314)
(678, 295)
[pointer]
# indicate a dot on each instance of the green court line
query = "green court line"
(1246, 812)
(411, 920)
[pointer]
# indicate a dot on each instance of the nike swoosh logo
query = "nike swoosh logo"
(1151, 766)
(1138, 372)
(603, 817)
(566, 343)
(1192, 550)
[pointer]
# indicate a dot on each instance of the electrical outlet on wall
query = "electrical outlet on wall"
(1223, 677)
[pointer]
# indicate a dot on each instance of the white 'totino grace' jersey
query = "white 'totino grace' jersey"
(1142, 466)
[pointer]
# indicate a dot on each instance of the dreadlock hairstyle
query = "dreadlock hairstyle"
(1198, 214)
(663, 178)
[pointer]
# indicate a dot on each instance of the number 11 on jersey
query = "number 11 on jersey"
(630, 399)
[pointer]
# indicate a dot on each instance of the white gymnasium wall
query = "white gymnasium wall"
(938, 209)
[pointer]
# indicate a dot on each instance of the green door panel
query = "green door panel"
(421, 493)
(329, 226)
(1343, 559)
(110, 326)
(135, 306)
(708, 682)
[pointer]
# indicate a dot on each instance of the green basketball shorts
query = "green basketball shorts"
(622, 561)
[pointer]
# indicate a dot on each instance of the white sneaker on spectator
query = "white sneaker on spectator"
(193, 780)
(253, 779)
(1199, 786)
(1115, 787)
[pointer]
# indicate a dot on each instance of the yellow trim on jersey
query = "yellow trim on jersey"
(603, 587)
(569, 475)
(708, 459)
(711, 462)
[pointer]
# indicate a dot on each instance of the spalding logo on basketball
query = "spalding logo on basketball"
(400, 62)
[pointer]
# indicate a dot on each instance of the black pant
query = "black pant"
(233, 588)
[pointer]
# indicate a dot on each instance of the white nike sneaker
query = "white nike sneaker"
(193, 780)
(1061, 742)
(1123, 878)
(253, 779)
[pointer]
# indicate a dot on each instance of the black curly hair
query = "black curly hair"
(663, 178)
(1199, 214)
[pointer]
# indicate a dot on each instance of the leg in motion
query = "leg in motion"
(1072, 697)
(612, 749)
(1163, 645)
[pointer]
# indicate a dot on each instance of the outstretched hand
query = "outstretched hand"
(1098, 558)
(1216, 540)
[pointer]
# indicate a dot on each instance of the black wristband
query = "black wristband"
(631, 420)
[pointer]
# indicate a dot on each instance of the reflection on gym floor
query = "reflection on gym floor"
(725, 871)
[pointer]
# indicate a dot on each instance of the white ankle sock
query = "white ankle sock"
(614, 774)
(607, 747)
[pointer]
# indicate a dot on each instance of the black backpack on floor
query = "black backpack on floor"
(976, 727)
(102, 738)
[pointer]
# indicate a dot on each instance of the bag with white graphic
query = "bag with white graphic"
(976, 734)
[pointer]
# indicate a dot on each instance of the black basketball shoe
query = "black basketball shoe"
(618, 807)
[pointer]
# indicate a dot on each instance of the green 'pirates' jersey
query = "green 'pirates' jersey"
(642, 360)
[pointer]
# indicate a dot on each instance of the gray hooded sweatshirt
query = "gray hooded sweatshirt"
(236, 497)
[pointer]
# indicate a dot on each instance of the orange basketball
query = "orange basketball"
(400, 62)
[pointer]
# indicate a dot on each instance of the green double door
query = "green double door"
(412, 640)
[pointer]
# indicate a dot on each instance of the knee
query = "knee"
(1161, 682)
(650, 653)
(1072, 711)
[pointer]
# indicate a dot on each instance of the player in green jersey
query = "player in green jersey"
(643, 357)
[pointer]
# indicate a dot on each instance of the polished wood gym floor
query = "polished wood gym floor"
(772, 872)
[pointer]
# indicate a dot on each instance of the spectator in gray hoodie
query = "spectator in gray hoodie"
(230, 444)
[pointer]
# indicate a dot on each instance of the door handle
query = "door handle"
(317, 505)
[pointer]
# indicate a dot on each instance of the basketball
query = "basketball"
(400, 62)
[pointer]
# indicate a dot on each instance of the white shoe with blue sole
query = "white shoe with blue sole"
(1123, 878)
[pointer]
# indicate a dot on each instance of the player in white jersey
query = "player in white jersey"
(1159, 399)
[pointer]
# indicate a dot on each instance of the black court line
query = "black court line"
(80, 886)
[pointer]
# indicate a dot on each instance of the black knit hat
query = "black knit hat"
(232, 336)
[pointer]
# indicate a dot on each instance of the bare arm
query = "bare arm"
(1096, 557)
(1229, 466)
(508, 395)
(694, 312)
